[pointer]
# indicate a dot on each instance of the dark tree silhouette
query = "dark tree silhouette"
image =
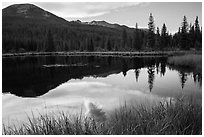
(124, 67)
(90, 46)
(164, 37)
(198, 35)
(124, 38)
(158, 41)
(109, 60)
(151, 35)
(109, 46)
(184, 37)
(137, 72)
(50, 42)
(192, 36)
(137, 44)
(103, 43)
(197, 27)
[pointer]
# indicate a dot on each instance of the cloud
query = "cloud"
(83, 9)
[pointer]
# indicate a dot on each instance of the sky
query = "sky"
(126, 13)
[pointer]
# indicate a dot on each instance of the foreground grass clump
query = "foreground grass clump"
(165, 118)
(193, 61)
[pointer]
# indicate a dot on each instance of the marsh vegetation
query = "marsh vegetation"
(166, 118)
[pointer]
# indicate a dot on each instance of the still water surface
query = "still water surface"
(47, 84)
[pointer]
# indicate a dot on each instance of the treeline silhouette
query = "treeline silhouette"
(26, 34)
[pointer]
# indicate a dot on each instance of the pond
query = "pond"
(47, 84)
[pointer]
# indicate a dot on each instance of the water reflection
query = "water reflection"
(151, 77)
(183, 78)
(35, 76)
(96, 84)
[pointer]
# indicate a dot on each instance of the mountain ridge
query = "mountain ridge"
(32, 11)
(26, 27)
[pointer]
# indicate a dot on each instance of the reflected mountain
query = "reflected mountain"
(36, 75)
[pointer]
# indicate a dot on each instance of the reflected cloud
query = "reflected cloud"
(70, 88)
(95, 111)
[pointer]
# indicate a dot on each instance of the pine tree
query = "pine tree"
(197, 27)
(163, 37)
(49, 46)
(198, 35)
(124, 39)
(151, 36)
(137, 39)
(192, 36)
(109, 47)
(90, 46)
(158, 41)
(103, 42)
(184, 26)
(184, 38)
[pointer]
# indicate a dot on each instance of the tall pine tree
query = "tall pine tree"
(198, 35)
(151, 35)
(49, 44)
(137, 39)
(164, 36)
(124, 39)
(184, 36)
(158, 41)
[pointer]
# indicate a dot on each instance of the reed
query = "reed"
(163, 119)
(193, 61)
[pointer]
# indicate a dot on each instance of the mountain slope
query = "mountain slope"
(30, 11)
(26, 27)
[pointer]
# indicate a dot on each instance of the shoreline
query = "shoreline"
(115, 53)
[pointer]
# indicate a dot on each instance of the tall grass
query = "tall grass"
(192, 61)
(165, 118)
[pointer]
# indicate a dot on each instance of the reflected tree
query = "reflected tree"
(52, 60)
(151, 76)
(197, 78)
(109, 60)
(157, 66)
(90, 59)
(136, 63)
(124, 67)
(163, 66)
(137, 72)
(183, 78)
(163, 69)
(200, 79)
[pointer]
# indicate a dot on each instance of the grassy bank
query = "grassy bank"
(191, 61)
(178, 118)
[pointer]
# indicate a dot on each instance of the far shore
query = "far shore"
(102, 53)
